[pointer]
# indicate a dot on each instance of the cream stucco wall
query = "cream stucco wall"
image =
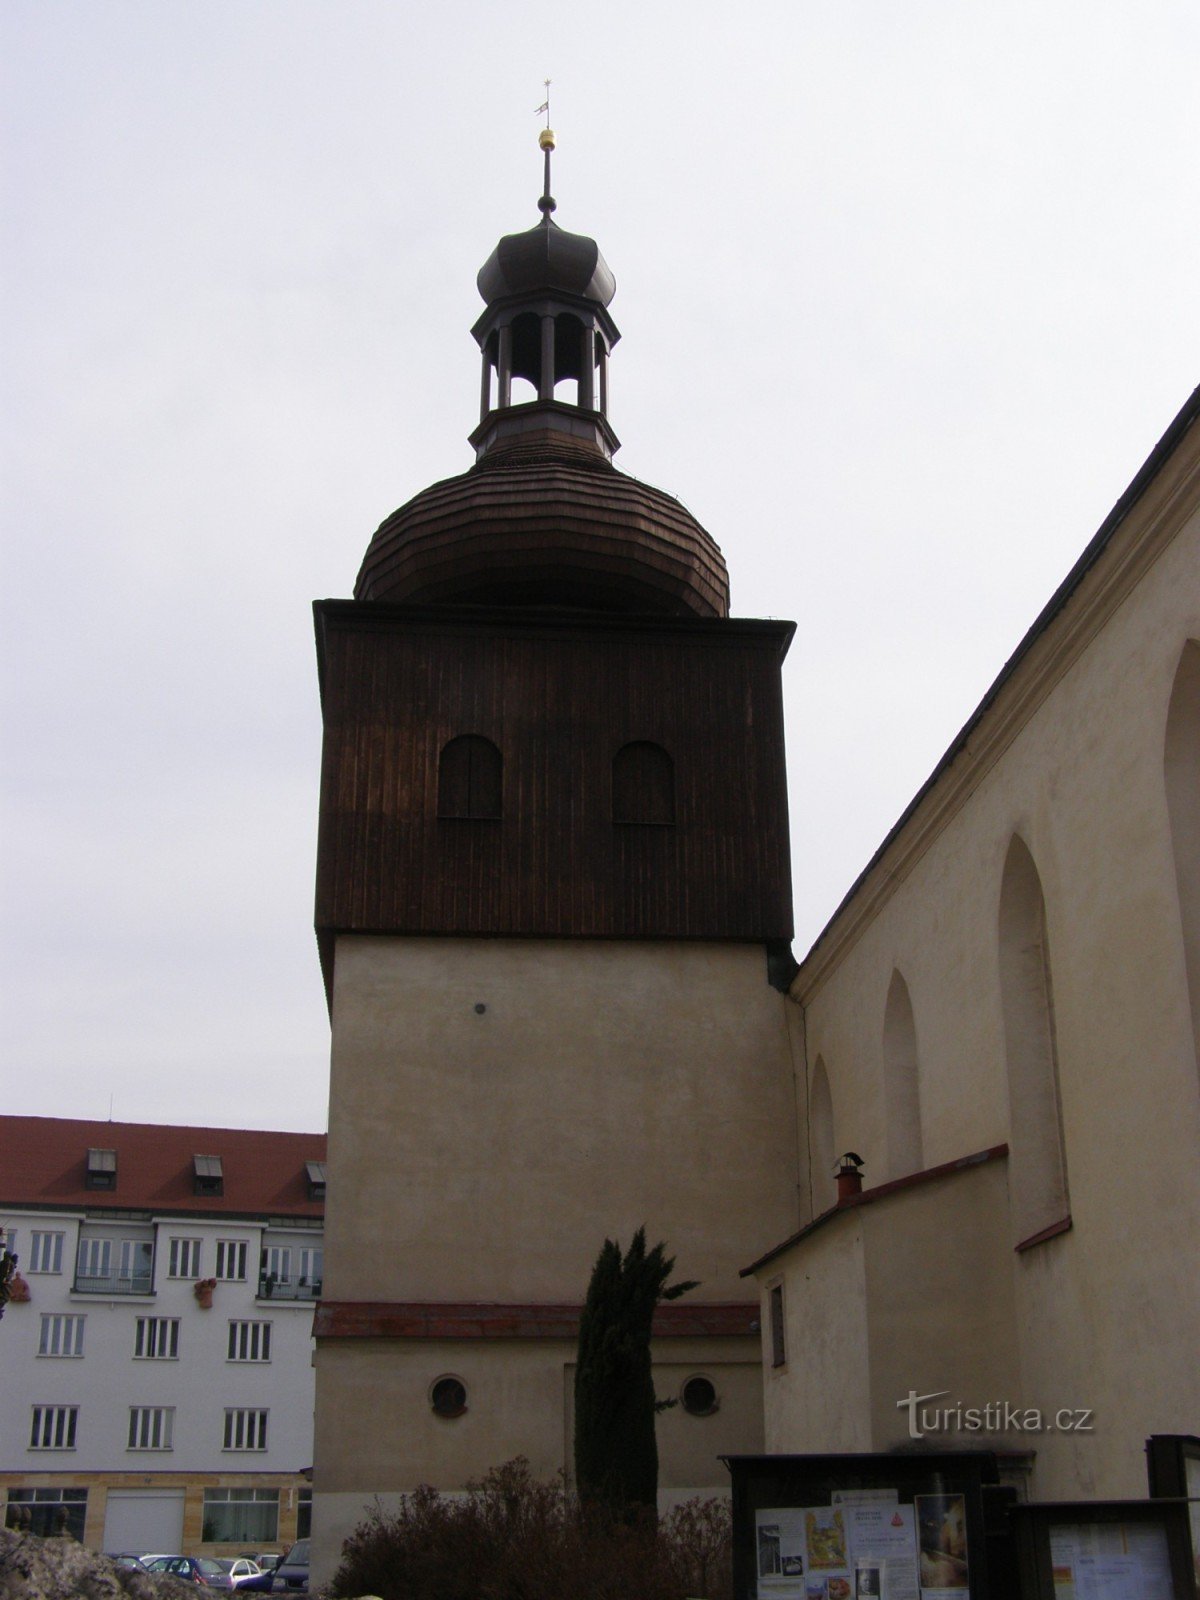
(1070, 758)
(499, 1107)
(486, 1154)
(520, 1402)
(813, 1401)
(909, 1293)
(376, 1433)
(940, 1297)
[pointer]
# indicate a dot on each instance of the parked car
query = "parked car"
(246, 1574)
(125, 1558)
(291, 1575)
(192, 1569)
(268, 1560)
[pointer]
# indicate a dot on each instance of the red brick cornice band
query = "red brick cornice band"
(371, 1319)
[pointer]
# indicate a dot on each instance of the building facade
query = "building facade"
(158, 1388)
(1002, 1020)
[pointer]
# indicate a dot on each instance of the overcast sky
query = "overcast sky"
(907, 291)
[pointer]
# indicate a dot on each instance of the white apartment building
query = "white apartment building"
(157, 1351)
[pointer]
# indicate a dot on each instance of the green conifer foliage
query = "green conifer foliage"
(616, 1455)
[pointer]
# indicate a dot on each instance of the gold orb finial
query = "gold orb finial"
(546, 139)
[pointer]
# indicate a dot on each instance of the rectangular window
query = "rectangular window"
(52, 1511)
(61, 1336)
(247, 1517)
(778, 1343)
(150, 1427)
(45, 1252)
(277, 1263)
(95, 1258)
(156, 1339)
(136, 1257)
(245, 1430)
(249, 1341)
(53, 1428)
(303, 1513)
(101, 1170)
(231, 1260)
(312, 1265)
(184, 1259)
(208, 1176)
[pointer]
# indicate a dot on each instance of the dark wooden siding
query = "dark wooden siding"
(559, 699)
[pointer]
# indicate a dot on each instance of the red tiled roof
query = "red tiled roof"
(43, 1161)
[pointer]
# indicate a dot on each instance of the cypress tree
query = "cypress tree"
(616, 1455)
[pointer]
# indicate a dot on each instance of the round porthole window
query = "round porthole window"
(699, 1397)
(448, 1397)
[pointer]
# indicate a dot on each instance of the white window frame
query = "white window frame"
(54, 1427)
(183, 1260)
(249, 1341)
(312, 1256)
(95, 1258)
(231, 1253)
(151, 1427)
(245, 1429)
(61, 1334)
(137, 1259)
(45, 1250)
(277, 1259)
(156, 1339)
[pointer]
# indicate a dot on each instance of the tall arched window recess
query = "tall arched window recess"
(643, 784)
(1037, 1161)
(820, 1141)
(901, 1081)
(1181, 772)
(470, 778)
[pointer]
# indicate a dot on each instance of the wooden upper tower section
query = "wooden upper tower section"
(540, 720)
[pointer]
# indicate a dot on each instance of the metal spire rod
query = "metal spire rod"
(546, 140)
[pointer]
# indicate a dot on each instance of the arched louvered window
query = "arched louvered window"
(1036, 1162)
(643, 784)
(901, 1088)
(470, 774)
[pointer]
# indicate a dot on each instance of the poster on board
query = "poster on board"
(1110, 1561)
(862, 1548)
(942, 1541)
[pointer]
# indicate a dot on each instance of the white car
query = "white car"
(242, 1570)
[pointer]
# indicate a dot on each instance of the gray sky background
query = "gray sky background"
(908, 292)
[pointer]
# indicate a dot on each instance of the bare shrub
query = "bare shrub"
(515, 1538)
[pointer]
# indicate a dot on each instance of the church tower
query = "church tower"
(552, 894)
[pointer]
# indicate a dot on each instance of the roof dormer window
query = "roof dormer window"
(101, 1169)
(314, 1172)
(208, 1177)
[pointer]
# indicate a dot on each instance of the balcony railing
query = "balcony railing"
(270, 1288)
(114, 1283)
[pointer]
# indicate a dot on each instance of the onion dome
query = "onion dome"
(546, 257)
(543, 518)
(543, 521)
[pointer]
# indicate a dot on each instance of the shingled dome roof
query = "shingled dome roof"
(546, 522)
(546, 257)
